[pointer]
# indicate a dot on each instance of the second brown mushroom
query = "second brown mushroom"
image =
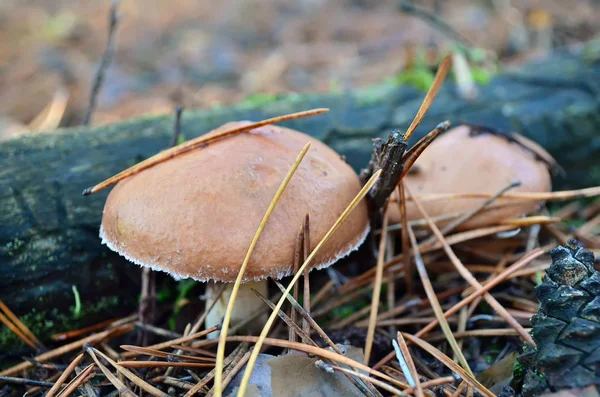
(465, 161)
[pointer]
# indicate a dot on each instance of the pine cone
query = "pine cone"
(566, 328)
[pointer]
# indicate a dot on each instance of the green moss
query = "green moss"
(517, 369)
(419, 77)
(11, 248)
(259, 99)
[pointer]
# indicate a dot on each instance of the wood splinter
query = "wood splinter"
(392, 157)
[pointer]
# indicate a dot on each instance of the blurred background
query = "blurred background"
(204, 54)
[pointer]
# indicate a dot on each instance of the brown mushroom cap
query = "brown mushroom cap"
(459, 163)
(195, 215)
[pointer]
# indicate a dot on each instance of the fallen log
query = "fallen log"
(49, 245)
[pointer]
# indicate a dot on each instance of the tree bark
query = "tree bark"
(49, 232)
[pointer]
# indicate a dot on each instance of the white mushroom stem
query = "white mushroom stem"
(246, 305)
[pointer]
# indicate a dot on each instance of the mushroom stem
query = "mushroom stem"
(247, 304)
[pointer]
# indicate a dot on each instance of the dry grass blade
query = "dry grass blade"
(23, 381)
(376, 288)
(452, 240)
(120, 386)
(472, 212)
(408, 274)
(232, 373)
(312, 323)
(194, 350)
(489, 332)
(297, 259)
(526, 196)
(444, 359)
(440, 76)
(306, 291)
(436, 382)
(530, 220)
(129, 375)
(157, 353)
(194, 144)
(363, 192)
(200, 321)
(313, 350)
(67, 349)
(238, 280)
(157, 364)
(291, 324)
(63, 377)
(169, 343)
(77, 381)
(75, 333)
(411, 365)
(28, 336)
(322, 365)
(466, 274)
(435, 304)
(234, 356)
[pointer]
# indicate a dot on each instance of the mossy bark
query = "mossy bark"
(49, 232)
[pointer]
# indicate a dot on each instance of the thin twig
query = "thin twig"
(436, 22)
(104, 63)
(376, 296)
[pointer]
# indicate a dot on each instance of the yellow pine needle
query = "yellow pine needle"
(194, 144)
(440, 76)
(238, 281)
(267, 327)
